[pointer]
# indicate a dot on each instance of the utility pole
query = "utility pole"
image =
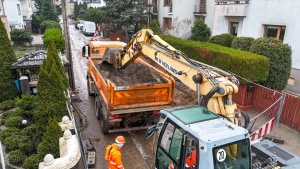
(68, 45)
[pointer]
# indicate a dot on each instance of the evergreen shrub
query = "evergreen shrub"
(49, 24)
(16, 157)
(224, 39)
(14, 142)
(14, 122)
(55, 35)
(20, 37)
(242, 43)
(155, 27)
(251, 66)
(12, 113)
(27, 102)
(7, 104)
(200, 31)
(9, 132)
(280, 60)
(32, 162)
(50, 143)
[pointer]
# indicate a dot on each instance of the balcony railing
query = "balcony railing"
(220, 2)
(200, 9)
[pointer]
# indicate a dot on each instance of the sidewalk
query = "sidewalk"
(37, 39)
(290, 136)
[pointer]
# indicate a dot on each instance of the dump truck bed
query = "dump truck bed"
(123, 91)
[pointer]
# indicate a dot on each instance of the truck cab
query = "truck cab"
(219, 144)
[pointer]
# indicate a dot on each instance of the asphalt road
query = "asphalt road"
(137, 152)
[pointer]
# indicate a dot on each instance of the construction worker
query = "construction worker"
(99, 30)
(190, 161)
(113, 153)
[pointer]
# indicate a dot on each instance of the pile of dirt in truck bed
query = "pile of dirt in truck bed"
(133, 74)
(183, 94)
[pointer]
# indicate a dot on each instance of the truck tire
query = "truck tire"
(103, 121)
(97, 107)
(89, 88)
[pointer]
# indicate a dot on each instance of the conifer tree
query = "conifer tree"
(50, 143)
(51, 98)
(7, 58)
(59, 64)
(47, 11)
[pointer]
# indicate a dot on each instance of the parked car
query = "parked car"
(79, 24)
(88, 28)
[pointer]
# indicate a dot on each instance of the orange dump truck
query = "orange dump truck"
(132, 104)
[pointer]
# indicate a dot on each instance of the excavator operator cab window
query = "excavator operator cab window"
(170, 146)
(176, 149)
(191, 153)
(235, 155)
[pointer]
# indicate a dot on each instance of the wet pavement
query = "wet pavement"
(136, 153)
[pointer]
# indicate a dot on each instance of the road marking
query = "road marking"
(139, 146)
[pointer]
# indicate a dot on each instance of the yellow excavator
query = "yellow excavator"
(210, 135)
(214, 87)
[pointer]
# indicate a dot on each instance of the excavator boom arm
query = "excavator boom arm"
(211, 83)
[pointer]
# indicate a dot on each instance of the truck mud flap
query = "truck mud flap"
(128, 129)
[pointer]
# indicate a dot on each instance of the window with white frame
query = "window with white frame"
(276, 31)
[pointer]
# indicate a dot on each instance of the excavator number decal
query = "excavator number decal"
(166, 65)
(221, 155)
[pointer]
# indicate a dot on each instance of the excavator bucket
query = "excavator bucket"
(110, 55)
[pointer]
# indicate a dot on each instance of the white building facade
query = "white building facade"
(263, 18)
(248, 18)
(13, 11)
(178, 16)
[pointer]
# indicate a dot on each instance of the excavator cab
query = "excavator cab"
(193, 137)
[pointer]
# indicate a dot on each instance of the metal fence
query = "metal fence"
(266, 108)
(78, 134)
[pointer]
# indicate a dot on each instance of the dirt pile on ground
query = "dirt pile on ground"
(134, 74)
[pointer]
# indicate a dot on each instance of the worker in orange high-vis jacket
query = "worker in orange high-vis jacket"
(113, 153)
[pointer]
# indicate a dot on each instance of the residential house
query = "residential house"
(262, 18)
(18, 14)
(250, 18)
(13, 11)
(27, 11)
(4, 18)
(178, 16)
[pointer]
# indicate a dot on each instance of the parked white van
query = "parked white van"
(88, 28)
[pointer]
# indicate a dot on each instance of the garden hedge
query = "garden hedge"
(251, 66)
(242, 43)
(224, 39)
(280, 60)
